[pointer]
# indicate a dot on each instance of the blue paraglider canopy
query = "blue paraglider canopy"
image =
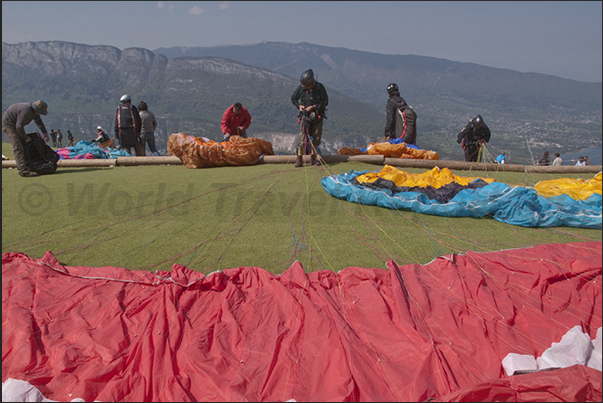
(439, 192)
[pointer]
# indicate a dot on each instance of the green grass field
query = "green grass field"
(269, 215)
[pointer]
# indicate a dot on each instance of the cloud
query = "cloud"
(224, 5)
(196, 10)
(161, 4)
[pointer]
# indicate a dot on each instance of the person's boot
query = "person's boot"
(299, 162)
(313, 160)
(28, 174)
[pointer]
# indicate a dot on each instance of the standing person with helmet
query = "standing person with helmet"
(400, 119)
(149, 124)
(311, 99)
(128, 126)
(14, 120)
(473, 137)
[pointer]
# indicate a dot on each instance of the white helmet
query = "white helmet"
(99, 128)
(125, 98)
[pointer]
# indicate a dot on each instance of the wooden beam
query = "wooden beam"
(329, 159)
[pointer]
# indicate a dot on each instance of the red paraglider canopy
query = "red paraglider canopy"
(414, 332)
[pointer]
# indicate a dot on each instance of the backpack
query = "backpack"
(41, 158)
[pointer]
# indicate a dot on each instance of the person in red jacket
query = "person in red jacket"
(235, 121)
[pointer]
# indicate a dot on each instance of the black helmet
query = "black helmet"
(392, 87)
(478, 122)
(307, 77)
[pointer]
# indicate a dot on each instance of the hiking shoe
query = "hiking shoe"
(28, 174)
(299, 162)
(314, 161)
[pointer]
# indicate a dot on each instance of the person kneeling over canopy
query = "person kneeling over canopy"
(235, 121)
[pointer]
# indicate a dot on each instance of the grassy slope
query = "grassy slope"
(208, 219)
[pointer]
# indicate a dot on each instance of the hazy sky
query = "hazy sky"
(558, 38)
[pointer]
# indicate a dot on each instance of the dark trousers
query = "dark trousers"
(471, 151)
(315, 131)
(18, 148)
(138, 150)
(148, 138)
(129, 137)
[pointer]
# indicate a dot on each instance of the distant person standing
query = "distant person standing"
(59, 138)
(581, 162)
(501, 158)
(235, 121)
(69, 139)
(586, 160)
(53, 136)
(14, 120)
(400, 118)
(149, 124)
(557, 161)
(545, 160)
(311, 99)
(128, 126)
(473, 136)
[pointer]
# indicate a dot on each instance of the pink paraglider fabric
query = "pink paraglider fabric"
(413, 332)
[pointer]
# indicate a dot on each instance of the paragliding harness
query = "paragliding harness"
(40, 157)
(481, 147)
(306, 147)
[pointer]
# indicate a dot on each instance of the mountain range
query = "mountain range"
(188, 89)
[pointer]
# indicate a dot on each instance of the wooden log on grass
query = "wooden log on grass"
(483, 166)
(329, 159)
(570, 169)
(370, 159)
(290, 159)
(9, 164)
(70, 163)
(454, 165)
(86, 163)
(137, 161)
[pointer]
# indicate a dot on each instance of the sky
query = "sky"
(561, 38)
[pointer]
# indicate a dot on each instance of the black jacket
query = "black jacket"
(318, 97)
(470, 135)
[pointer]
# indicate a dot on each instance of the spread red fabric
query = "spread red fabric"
(413, 332)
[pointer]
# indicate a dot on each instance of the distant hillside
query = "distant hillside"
(421, 78)
(82, 85)
(546, 111)
(189, 88)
